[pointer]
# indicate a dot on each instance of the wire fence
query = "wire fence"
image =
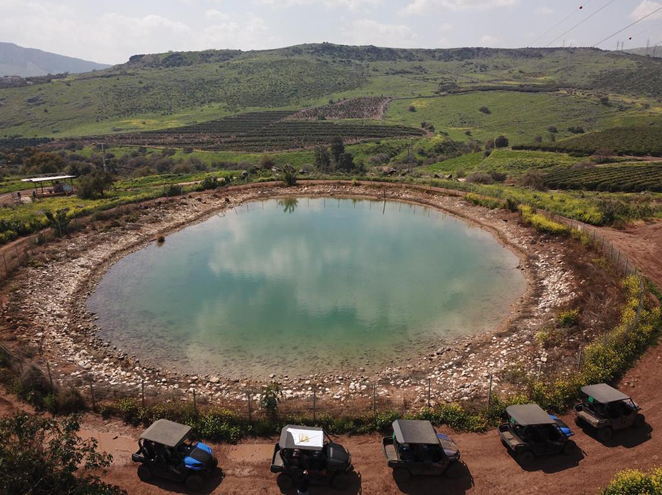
(312, 399)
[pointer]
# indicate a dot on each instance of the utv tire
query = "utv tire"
(454, 470)
(401, 475)
(144, 473)
(285, 481)
(340, 482)
(525, 458)
(569, 448)
(605, 434)
(639, 421)
(194, 482)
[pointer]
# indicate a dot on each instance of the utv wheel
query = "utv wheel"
(639, 421)
(194, 483)
(569, 447)
(454, 470)
(285, 481)
(340, 482)
(605, 434)
(400, 475)
(144, 473)
(525, 458)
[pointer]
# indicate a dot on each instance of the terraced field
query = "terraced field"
(618, 178)
(262, 131)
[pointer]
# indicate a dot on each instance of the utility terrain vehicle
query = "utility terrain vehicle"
(607, 409)
(164, 451)
(415, 448)
(302, 448)
(531, 432)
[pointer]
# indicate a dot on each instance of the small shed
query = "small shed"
(56, 185)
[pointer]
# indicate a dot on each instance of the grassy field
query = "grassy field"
(518, 116)
(506, 160)
(170, 90)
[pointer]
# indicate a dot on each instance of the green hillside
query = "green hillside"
(174, 89)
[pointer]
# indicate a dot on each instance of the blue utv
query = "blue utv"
(165, 452)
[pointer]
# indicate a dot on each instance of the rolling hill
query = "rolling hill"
(170, 90)
(29, 62)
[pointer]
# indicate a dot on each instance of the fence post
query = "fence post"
(429, 391)
(94, 404)
(314, 404)
(250, 413)
(195, 403)
(142, 388)
(489, 393)
(50, 376)
(374, 402)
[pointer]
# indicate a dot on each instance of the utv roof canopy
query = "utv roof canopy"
(414, 432)
(603, 393)
(301, 437)
(166, 433)
(529, 415)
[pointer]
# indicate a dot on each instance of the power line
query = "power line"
(582, 22)
(559, 23)
(628, 26)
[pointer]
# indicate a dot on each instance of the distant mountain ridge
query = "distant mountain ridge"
(651, 51)
(29, 62)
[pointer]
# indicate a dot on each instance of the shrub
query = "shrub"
(94, 185)
(533, 180)
(173, 190)
(270, 398)
(552, 129)
(43, 456)
(209, 182)
(542, 223)
(485, 110)
(480, 178)
(568, 318)
(267, 162)
(576, 129)
(501, 142)
(635, 482)
(411, 108)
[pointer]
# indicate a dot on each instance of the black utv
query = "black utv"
(531, 432)
(165, 452)
(305, 449)
(415, 448)
(606, 409)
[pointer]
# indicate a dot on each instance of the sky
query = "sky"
(111, 31)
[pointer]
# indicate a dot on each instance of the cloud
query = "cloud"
(545, 11)
(370, 32)
(488, 40)
(216, 15)
(425, 6)
(248, 35)
(646, 7)
(352, 5)
(446, 27)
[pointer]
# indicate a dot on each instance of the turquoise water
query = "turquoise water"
(308, 285)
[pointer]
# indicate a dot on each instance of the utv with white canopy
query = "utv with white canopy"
(303, 448)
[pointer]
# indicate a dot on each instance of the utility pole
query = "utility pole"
(648, 44)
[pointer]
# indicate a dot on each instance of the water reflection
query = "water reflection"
(331, 284)
(289, 204)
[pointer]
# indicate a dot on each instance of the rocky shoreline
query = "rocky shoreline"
(46, 309)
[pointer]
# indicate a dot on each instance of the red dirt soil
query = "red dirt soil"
(490, 469)
(642, 243)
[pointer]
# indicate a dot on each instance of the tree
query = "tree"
(58, 221)
(501, 142)
(289, 176)
(40, 456)
(94, 184)
(270, 398)
(267, 162)
(45, 163)
(346, 162)
(322, 158)
(337, 149)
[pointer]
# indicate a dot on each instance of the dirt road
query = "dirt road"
(490, 469)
